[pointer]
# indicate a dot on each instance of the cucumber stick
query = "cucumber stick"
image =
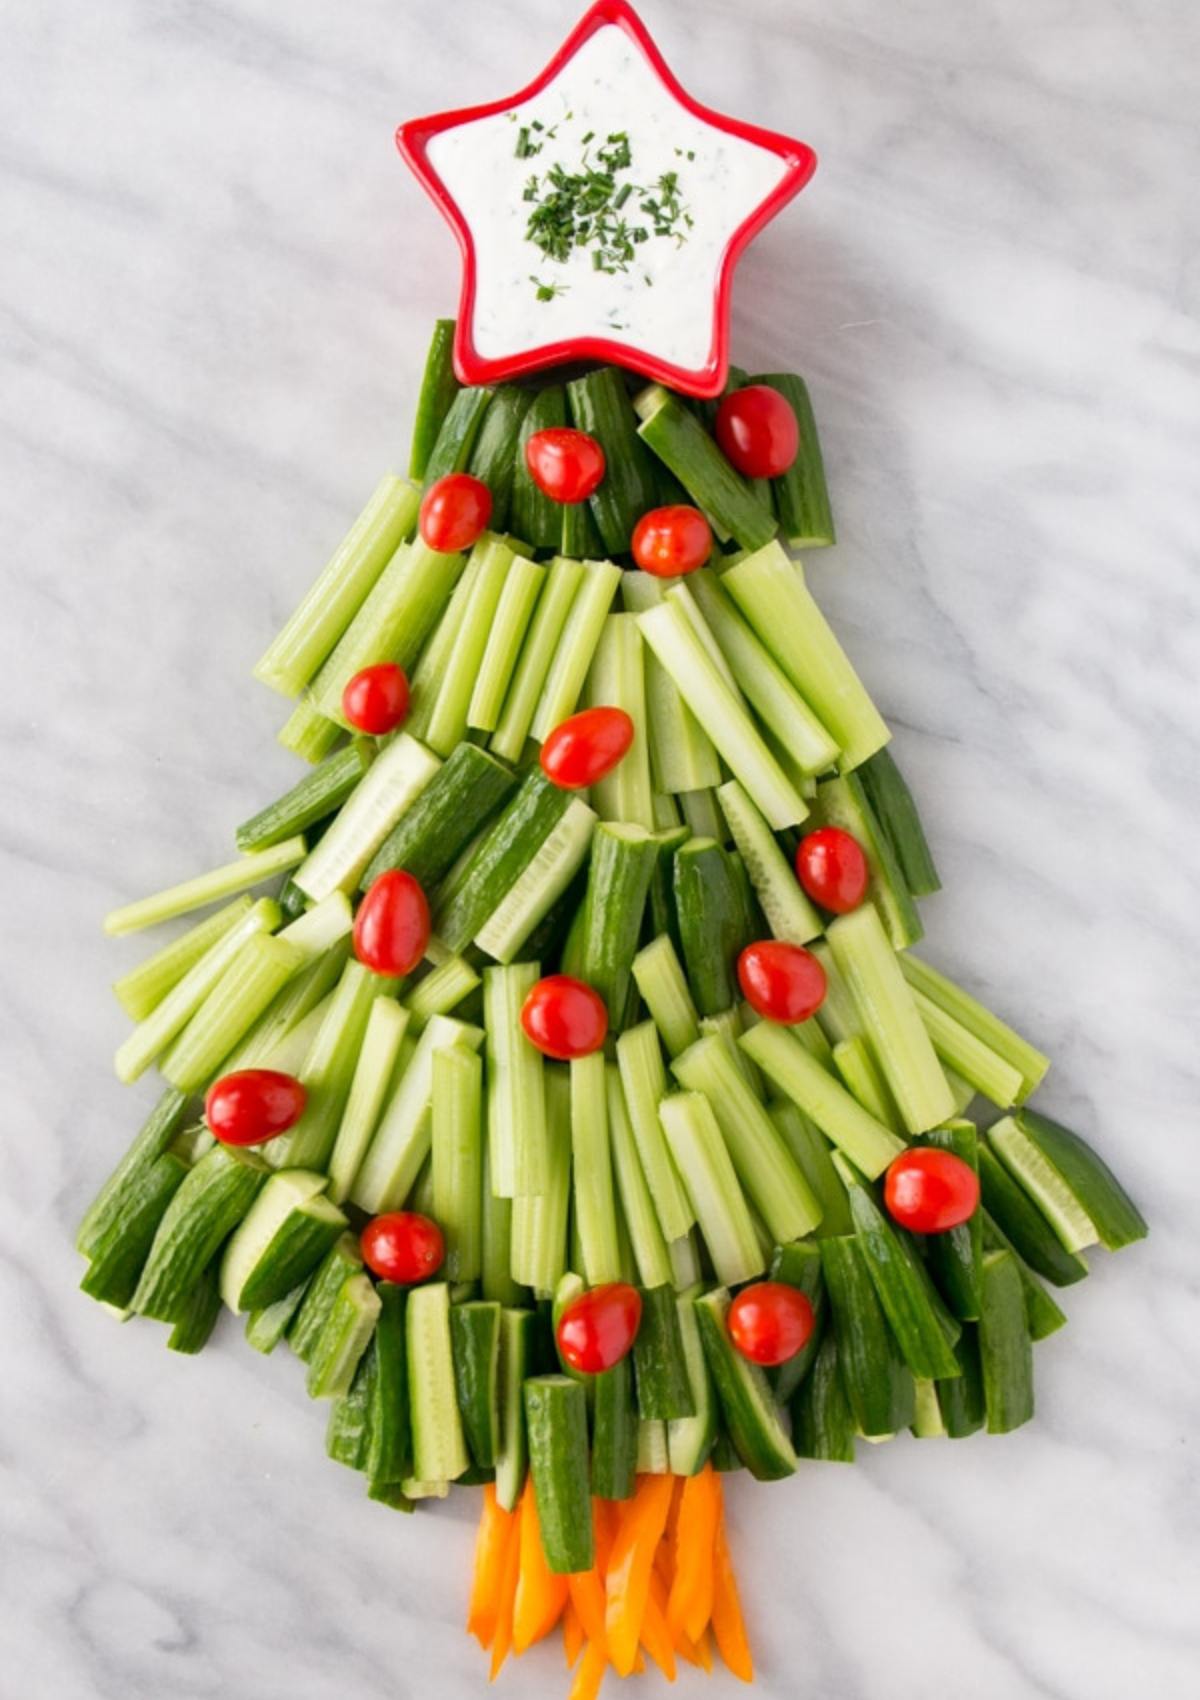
(650, 1251)
(516, 1349)
(285, 1234)
(878, 1383)
(388, 791)
(461, 797)
(644, 1085)
(402, 1140)
(196, 1316)
(960, 1401)
(457, 1155)
(595, 1212)
(312, 799)
(327, 609)
(370, 1085)
(841, 801)
(769, 1174)
(389, 1450)
(344, 1337)
(516, 1098)
(617, 679)
(343, 1259)
(799, 1265)
(894, 808)
(712, 922)
(119, 1253)
(471, 893)
(580, 636)
(1005, 1348)
(556, 1424)
(475, 1340)
(348, 1434)
(714, 1191)
(1021, 1220)
(690, 1439)
(439, 386)
(457, 432)
(604, 939)
(810, 1148)
(1075, 1190)
(493, 453)
(889, 1015)
(664, 1390)
(801, 495)
(747, 1406)
(823, 1422)
(439, 1446)
(956, 1256)
(769, 590)
(205, 1208)
(523, 585)
(532, 514)
(267, 1327)
(684, 446)
(788, 912)
(110, 1203)
(600, 405)
(721, 712)
(540, 884)
(1043, 1315)
(564, 580)
(615, 1432)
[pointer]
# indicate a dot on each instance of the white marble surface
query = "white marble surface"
(215, 291)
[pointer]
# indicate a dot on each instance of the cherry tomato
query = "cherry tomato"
(757, 431)
(455, 512)
(783, 982)
(402, 1246)
(565, 465)
(770, 1322)
(376, 700)
(928, 1190)
(391, 928)
(832, 868)
(584, 748)
(564, 1018)
(597, 1330)
(253, 1105)
(670, 541)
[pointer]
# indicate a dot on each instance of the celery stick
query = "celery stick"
(800, 1077)
(594, 1199)
(616, 679)
(722, 714)
(516, 1099)
(522, 588)
(308, 733)
(430, 670)
(702, 815)
(294, 1003)
(861, 1075)
(322, 926)
(144, 987)
(457, 1156)
(221, 882)
(374, 1075)
(580, 635)
(968, 1056)
(538, 1256)
(700, 1154)
(646, 1236)
(563, 583)
(292, 657)
(448, 721)
(442, 990)
(328, 1070)
(682, 757)
(997, 1035)
(153, 1034)
(644, 1080)
(663, 985)
(260, 968)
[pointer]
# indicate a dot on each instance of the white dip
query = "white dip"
(660, 299)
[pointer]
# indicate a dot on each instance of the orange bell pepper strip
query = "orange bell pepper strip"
(586, 1587)
(491, 1544)
(727, 1623)
(703, 1651)
(590, 1672)
(541, 1595)
(656, 1636)
(629, 1567)
(690, 1605)
(573, 1635)
(502, 1639)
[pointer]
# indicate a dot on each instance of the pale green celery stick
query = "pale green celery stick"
(617, 680)
(308, 733)
(374, 1075)
(152, 1035)
(261, 967)
(519, 598)
(144, 987)
(328, 1070)
(577, 645)
(441, 991)
(222, 882)
(430, 669)
(554, 605)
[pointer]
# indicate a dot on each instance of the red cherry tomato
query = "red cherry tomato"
(928, 1190)
(783, 982)
(402, 1246)
(597, 1330)
(757, 431)
(565, 465)
(253, 1105)
(770, 1322)
(584, 748)
(376, 700)
(832, 868)
(455, 512)
(670, 541)
(391, 929)
(564, 1018)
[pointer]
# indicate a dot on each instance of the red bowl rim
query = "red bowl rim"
(413, 137)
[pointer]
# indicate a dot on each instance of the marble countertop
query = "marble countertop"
(215, 293)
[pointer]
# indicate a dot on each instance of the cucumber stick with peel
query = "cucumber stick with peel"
(344, 1337)
(604, 938)
(119, 1253)
(313, 798)
(683, 445)
(599, 404)
(540, 884)
(439, 386)
(894, 807)
(1023, 1223)
(470, 896)
(213, 1198)
(462, 795)
(457, 432)
(1074, 1189)
(342, 1259)
(712, 922)
(878, 1383)
(747, 1404)
(557, 1429)
(532, 514)
(493, 453)
(801, 493)
(439, 1446)
(788, 912)
(475, 1342)
(388, 791)
(279, 1243)
(841, 801)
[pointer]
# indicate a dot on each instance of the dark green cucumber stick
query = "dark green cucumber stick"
(1020, 1220)
(312, 799)
(801, 494)
(459, 800)
(120, 1253)
(600, 405)
(556, 1424)
(1005, 1348)
(581, 539)
(459, 430)
(711, 918)
(508, 847)
(152, 1139)
(878, 1383)
(475, 1341)
(614, 1432)
(439, 387)
(532, 515)
(956, 1257)
(822, 1420)
(896, 811)
(679, 440)
(494, 454)
(664, 1390)
(1095, 1189)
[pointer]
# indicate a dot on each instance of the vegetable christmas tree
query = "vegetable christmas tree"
(577, 1108)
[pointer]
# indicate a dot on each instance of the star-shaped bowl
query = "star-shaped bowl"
(467, 162)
